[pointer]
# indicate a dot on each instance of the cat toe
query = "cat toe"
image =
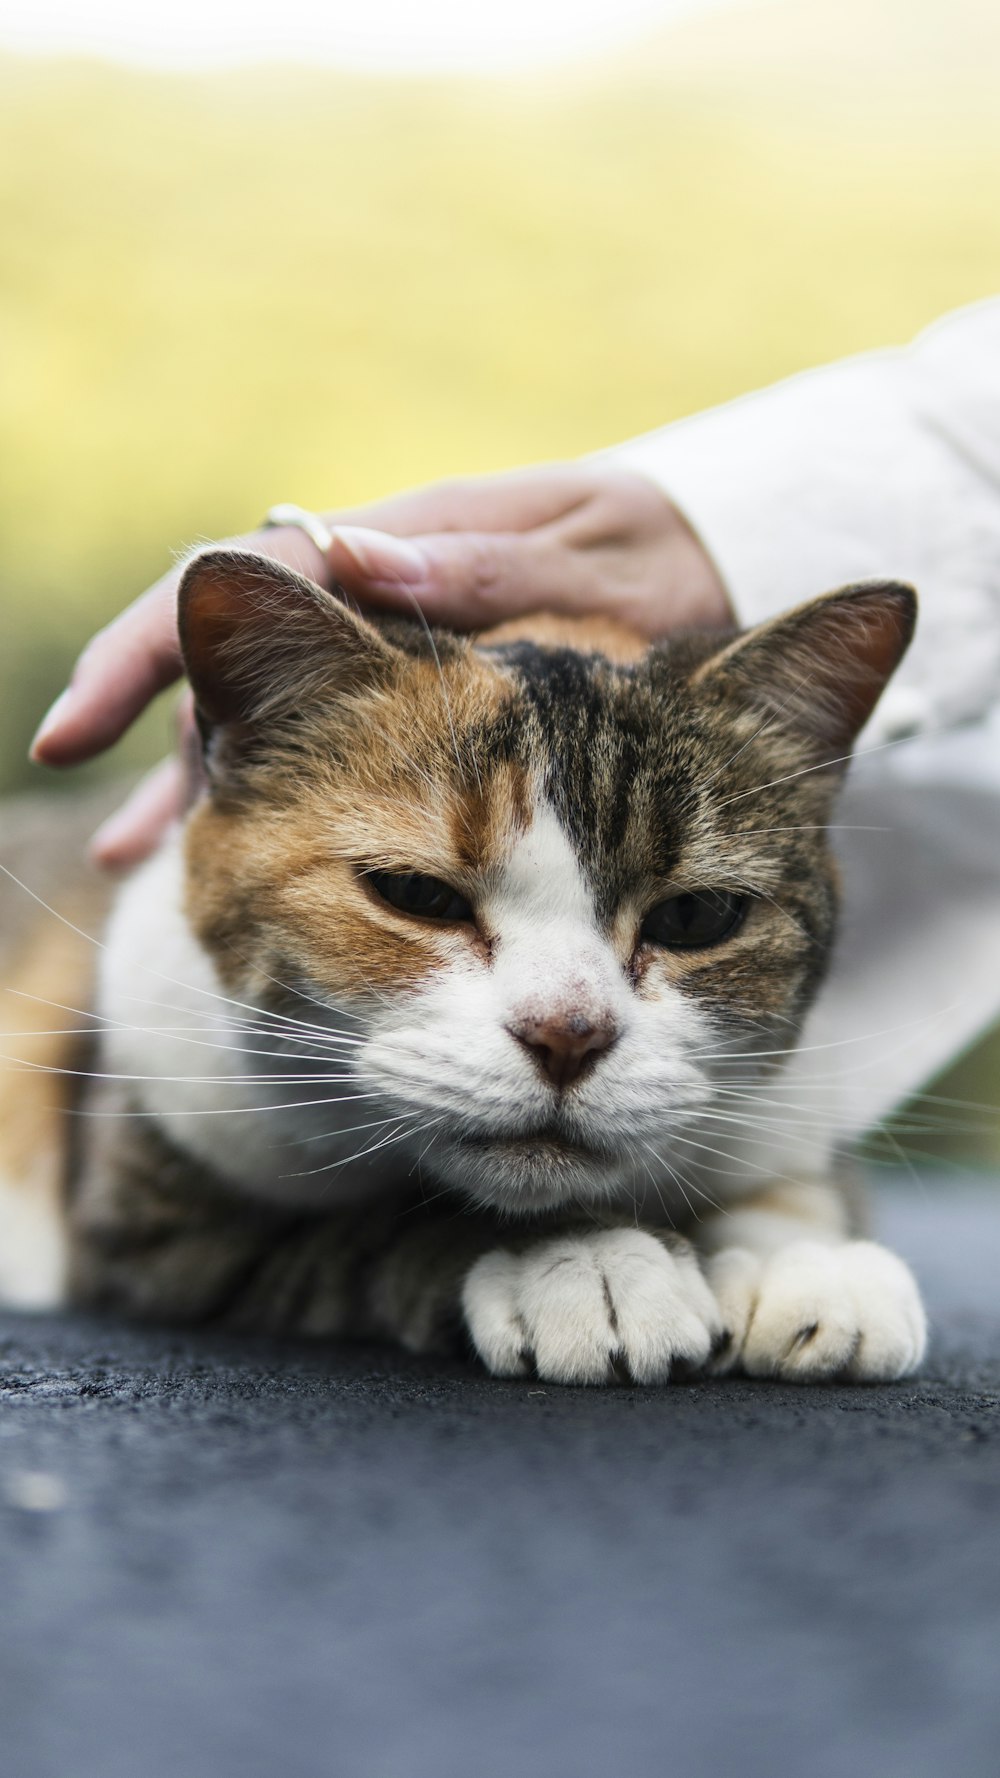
(817, 1312)
(891, 1319)
(489, 1303)
(607, 1305)
(733, 1277)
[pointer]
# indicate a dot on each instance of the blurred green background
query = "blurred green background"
(218, 290)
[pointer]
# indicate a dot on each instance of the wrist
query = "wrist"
(675, 582)
(699, 597)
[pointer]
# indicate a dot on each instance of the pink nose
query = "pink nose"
(564, 1048)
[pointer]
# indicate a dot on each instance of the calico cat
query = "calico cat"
(453, 1011)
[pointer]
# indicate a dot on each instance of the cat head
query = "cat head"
(552, 889)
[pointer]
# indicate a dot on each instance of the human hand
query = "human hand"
(121, 670)
(574, 538)
(559, 537)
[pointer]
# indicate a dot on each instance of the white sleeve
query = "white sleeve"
(888, 464)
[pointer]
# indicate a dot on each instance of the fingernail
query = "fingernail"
(130, 833)
(50, 722)
(381, 557)
(117, 842)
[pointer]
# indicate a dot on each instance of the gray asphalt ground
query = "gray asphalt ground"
(227, 1559)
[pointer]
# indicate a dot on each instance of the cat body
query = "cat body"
(455, 1008)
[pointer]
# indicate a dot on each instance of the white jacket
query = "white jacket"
(887, 464)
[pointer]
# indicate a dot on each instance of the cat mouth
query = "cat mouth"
(524, 1172)
(547, 1139)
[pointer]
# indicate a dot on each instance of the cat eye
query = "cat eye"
(698, 917)
(413, 893)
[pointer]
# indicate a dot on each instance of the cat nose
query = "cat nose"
(564, 1047)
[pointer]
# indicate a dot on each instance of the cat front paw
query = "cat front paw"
(591, 1308)
(811, 1311)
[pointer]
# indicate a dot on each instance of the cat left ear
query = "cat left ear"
(259, 642)
(820, 669)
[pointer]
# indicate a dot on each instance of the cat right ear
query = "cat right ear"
(818, 671)
(261, 644)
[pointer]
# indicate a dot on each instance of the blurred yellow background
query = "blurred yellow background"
(219, 290)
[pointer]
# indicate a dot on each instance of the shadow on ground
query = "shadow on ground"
(237, 1560)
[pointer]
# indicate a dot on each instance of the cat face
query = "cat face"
(564, 894)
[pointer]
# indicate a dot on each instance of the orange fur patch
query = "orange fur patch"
(279, 886)
(57, 967)
(591, 635)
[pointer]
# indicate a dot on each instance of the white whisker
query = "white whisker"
(421, 616)
(823, 766)
(409, 1129)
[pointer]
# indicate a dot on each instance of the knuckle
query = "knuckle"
(93, 651)
(487, 573)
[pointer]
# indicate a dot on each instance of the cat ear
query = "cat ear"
(820, 669)
(260, 642)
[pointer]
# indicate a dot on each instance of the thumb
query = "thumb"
(468, 580)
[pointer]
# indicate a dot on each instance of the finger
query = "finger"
(136, 656)
(117, 674)
(135, 830)
(466, 580)
(517, 500)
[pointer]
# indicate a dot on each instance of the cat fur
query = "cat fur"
(287, 1106)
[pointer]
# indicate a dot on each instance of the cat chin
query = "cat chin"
(525, 1176)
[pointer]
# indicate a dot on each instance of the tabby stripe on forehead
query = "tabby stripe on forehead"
(596, 735)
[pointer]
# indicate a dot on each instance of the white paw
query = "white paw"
(811, 1311)
(579, 1305)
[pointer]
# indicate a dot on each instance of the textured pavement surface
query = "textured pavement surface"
(228, 1559)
